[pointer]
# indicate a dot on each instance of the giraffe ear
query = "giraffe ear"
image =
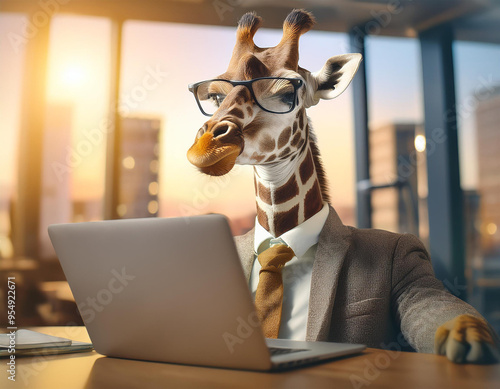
(336, 75)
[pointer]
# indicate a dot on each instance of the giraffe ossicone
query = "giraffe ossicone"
(265, 124)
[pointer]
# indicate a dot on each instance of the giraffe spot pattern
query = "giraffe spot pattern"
(236, 112)
(284, 137)
(313, 201)
(267, 144)
(264, 194)
(306, 168)
(301, 143)
(287, 191)
(252, 129)
(271, 158)
(284, 152)
(262, 218)
(295, 127)
(285, 221)
(296, 139)
(257, 157)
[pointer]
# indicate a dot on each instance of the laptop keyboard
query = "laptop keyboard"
(280, 350)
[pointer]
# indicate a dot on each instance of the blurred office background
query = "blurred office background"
(96, 119)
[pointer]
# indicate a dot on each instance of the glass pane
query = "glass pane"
(72, 156)
(274, 95)
(397, 160)
(73, 150)
(77, 104)
(211, 94)
(478, 112)
(11, 73)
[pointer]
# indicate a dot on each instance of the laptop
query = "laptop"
(173, 290)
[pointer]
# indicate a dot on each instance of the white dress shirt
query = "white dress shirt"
(303, 240)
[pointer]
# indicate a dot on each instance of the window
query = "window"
(74, 148)
(11, 74)
(397, 145)
(477, 75)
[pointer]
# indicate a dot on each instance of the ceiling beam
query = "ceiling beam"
(337, 16)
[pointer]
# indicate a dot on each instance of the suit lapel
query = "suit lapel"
(332, 247)
(244, 244)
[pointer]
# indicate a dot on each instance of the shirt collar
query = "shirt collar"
(300, 238)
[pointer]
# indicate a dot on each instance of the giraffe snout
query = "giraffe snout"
(216, 148)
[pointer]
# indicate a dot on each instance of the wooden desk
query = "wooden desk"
(374, 368)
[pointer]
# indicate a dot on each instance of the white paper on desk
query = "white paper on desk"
(26, 339)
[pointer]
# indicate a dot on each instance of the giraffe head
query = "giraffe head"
(259, 116)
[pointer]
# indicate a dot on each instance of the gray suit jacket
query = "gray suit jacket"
(372, 287)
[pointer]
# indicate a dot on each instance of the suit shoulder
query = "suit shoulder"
(398, 244)
(373, 235)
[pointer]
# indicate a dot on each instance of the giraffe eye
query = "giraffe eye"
(216, 98)
(287, 98)
(275, 94)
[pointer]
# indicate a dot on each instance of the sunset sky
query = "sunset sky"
(79, 76)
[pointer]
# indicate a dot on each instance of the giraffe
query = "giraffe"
(290, 182)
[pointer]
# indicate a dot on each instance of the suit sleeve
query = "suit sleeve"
(419, 300)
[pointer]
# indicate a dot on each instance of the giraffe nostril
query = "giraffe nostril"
(201, 131)
(221, 130)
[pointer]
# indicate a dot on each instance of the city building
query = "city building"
(394, 166)
(139, 166)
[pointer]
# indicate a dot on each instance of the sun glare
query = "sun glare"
(73, 76)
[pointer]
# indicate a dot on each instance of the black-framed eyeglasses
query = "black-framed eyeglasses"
(272, 94)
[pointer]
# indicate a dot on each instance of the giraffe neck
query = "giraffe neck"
(287, 192)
